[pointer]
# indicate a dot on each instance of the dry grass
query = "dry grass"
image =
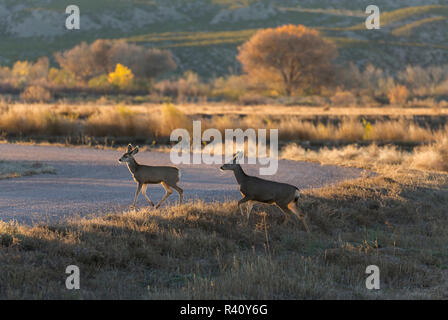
(16, 169)
(208, 251)
(433, 157)
(155, 123)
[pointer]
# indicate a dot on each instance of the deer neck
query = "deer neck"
(132, 166)
(239, 174)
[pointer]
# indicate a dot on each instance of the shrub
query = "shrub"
(20, 72)
(100, 82)
(188, 85)
(87, 61)
(253, 99)
(122, 77)
(231, 88)
(345, 98)
(61, 77)
(398, 95)
(36, 94)
(39, 70)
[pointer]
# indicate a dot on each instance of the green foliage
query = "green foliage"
(100, 82)
(60, 77)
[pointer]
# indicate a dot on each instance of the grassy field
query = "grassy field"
(153, 123)
(395, 220)
(390, 119)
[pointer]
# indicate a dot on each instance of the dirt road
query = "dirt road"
(92, 181)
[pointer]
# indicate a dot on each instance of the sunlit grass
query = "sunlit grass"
(156, 122)
(403, 14)
(407, 29)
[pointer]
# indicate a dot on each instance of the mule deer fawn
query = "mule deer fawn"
(285, 196)
(144, 175)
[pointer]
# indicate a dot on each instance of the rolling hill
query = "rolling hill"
(204, 34)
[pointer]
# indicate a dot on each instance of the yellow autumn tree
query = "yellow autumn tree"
(122, 76)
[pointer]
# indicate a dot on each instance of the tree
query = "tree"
(101, 57)
(78, 61)
(122, 76)
(144, 62)
(293, 56)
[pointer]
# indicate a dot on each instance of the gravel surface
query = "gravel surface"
(92, 181)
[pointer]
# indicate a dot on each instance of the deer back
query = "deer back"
(157, 174)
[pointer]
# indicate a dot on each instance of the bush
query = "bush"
(87, 61)
(36, 94)
(61, 78)
(100, 82)
(398, 95)
(188, 85)
(253, 99)
(343, 98)
(231, 88)
(122, 77)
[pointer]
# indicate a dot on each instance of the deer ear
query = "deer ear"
(129, 147)
(135, 151)
(237, 156)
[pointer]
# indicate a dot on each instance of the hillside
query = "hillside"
(204, 34)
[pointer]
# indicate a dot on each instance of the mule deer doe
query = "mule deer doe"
(144, 175)
(285, 196)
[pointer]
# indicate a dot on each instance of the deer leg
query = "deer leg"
(144, 193)
(250, 205)
(180, 192)
(285, 211)
(293, 207)
(168, 192)
(244, 200)
(139, 188)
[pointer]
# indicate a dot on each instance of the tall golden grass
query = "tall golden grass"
(149, 123)
(432, 157)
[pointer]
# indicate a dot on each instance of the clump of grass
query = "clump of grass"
(14, 169)
(36, 94)
(432, 157)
